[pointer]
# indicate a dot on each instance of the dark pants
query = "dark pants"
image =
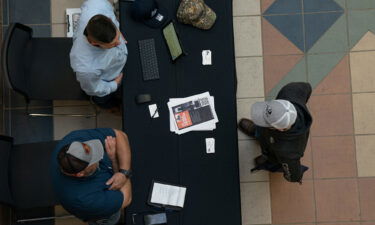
(262, 162)
(109, 101)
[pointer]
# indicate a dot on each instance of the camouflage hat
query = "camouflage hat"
(196, 13)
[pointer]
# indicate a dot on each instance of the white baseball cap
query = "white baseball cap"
(92, 156)
(280, 114)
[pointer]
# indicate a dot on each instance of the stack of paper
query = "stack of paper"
(194, 113)
(72, 18)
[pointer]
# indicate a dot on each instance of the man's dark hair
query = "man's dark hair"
(101, 28)
(68, 163)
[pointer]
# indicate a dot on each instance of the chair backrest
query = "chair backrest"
(5, 149)
(30, 175)
(14, 57)
(39, 68)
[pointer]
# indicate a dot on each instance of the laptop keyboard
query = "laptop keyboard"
(149, 61)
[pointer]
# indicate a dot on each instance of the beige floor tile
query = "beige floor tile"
(70, 103)
(246, 7)
(365, 155)
(247, 36)
(366, 43)
(292, 203)
(110, 120)
(362, 67)
(59, 30)
(255, 203)
(243, 111)
(60, 211)
(364, 111)
(250, 77)
(58, 8)
(63, 125)
(69, 221)
(248, 150)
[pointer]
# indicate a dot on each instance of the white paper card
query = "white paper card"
(210, 145)
(159, 17)
(153, 111)
(206, 57)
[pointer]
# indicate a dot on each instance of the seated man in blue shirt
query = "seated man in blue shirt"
(90, 173)
(99, 52)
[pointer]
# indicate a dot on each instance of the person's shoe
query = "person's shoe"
(260, 160)
(116, 110)
(247, 126)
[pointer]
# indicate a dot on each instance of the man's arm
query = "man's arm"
(118, 150)
(126, 191)
(123, 152)
(94, 86)
(296, 91)
(293, 170)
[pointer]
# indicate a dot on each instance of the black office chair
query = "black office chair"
(39, 68)
(25, 180)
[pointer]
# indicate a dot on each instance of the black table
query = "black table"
(212, 180)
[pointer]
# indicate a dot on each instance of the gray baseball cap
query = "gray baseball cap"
(279, 114)
(91, 157)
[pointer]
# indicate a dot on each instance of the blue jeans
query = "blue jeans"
(112, 220)
(257, 132)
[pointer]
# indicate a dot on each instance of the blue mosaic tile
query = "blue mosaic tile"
(5, 12)
(27, 129)
(316, 25)
(30, 12)
(320, 6)
(290, 26)
(41, 30)
(285, 7)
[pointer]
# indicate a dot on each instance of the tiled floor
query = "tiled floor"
(329, 43)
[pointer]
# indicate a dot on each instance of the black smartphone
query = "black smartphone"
(153, 219)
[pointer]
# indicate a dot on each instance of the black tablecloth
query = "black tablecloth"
(212, 180)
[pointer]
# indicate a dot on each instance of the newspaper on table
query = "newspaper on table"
(194, 113)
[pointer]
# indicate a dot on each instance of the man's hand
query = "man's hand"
(117, 181)
(110, 147)
(118, 79)
(124, 38)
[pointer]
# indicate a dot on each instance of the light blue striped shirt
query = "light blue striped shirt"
(96, 68)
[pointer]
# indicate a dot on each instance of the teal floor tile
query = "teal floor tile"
(335, 39)
(316, 25)
(297, 74)
(311, 6)
(359, 22)
(361, 4)
(319, 66)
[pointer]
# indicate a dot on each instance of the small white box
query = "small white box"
(210, 145)
(206, 57)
